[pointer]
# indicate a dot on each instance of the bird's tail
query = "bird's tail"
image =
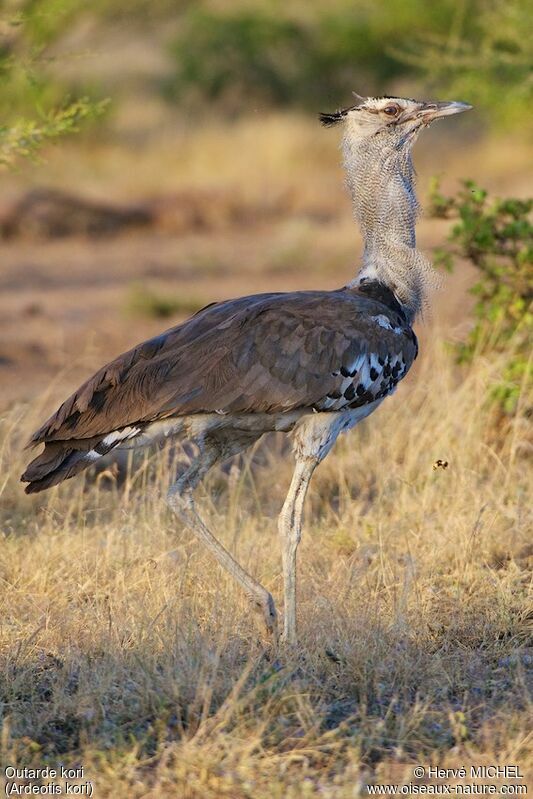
(59, 461)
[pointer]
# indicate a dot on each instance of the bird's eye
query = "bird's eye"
(391, 110)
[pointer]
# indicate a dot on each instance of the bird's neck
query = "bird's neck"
(381, 182)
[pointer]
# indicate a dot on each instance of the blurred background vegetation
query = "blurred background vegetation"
(221, 97)
(304, 54)
(235, 57)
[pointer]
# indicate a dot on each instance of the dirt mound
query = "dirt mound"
(48, 213)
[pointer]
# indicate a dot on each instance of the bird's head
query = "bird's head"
(390, 121)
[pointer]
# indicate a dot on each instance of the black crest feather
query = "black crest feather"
(328, 120)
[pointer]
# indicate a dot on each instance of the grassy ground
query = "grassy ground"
(124, 649)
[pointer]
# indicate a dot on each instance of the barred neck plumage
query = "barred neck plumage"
(381, 181)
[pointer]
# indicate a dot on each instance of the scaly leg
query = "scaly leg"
(290, 530)
(314, 436)
(181, 501)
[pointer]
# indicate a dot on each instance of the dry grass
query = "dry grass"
(125, 649)
(122, 647)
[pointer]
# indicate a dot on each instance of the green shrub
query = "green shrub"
(288, 55)
(34, 107)
(144, 302)
(485, 57)
(25, 137)
(497, 237)
(252, 51)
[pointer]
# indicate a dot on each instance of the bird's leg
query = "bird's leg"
(290, 530)
(181, 500)
(314, 436)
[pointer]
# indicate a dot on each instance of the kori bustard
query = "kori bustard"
(310, 363)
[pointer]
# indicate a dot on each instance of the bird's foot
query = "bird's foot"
(288, 640)
(264, 604)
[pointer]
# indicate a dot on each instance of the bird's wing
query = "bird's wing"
(267, 353)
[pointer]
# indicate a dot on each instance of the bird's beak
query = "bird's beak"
(431, 111)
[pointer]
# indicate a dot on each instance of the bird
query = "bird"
(311, 364)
